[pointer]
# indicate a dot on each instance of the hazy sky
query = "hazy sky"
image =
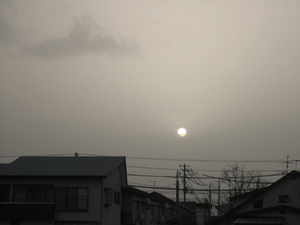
(121, 77)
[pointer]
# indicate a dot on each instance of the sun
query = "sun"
(181, 132)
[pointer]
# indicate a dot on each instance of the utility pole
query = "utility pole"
(177, 196)
(210, 194)
(184, 186)
(219, 193)
(287, 164)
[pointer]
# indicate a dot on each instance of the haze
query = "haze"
(121, 77)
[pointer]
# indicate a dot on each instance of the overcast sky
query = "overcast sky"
(121, 77)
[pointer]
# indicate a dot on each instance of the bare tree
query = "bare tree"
(236, 180)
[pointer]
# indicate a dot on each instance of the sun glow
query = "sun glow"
(181, 132)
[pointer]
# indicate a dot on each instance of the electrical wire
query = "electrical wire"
(202, 170)
(208, 160)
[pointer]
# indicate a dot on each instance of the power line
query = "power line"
(181, 189)
(147, 175)
(170, 159)
(202, 170)
(208, 160)
(205, 177)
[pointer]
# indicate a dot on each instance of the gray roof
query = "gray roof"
(62, 166)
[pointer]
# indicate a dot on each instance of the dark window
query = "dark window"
(185, 218)
(108, 196)
(117, 197)
(36, 195)
(258, 204)
(77, 199)
(283, 199)
(71, 199)
(4, 192)
(126, 217)
(140, 207)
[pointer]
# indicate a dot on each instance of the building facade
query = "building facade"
(62, 190)
(278, 203)
(142, 208)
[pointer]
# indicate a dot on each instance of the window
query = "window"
(185, 218)
(140, 206)
(258, 204)
(117, 197)
(108, 196)
(71, 199)
(283, 199)
(77, 199)
(4, 192)
(126, 217)
(36, 195)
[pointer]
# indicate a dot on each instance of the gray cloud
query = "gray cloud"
(7, 34)
(81, 40)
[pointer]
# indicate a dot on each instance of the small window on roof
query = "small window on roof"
(258, 204)
(283, 199)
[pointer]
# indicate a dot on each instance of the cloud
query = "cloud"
(84, 38)
(7, 34)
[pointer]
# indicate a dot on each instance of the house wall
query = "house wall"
(28, 222)
(291, 218)
(270, 198)
(240, 200)
(112, 214)
(94, 197)
(186, 217)
(201, 215)
(94, 200)
(144, 210)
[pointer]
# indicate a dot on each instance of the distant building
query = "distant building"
(142, 208)
(62, 190)
(186, 216)
(278, 203)
(202, 211)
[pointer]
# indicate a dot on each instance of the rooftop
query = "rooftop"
(61, 166)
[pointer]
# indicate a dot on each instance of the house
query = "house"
(62, 190)
(278, 203)
(202, 210)
(186, 216)
(142, 208)
(139, 207)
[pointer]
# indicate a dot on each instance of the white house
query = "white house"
(278, 203)
(62, 190)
